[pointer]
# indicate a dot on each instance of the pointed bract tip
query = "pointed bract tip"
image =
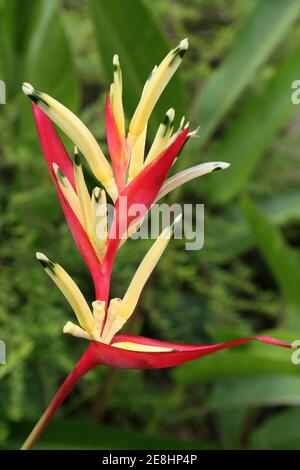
(27, 89)
(116, 60)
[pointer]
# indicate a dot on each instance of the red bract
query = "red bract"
(52, 146)
(102, 354)
(55, 152)
(117, 147)
(141, 192)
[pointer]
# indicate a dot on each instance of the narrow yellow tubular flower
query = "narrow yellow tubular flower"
(154, 89)
(83, 193)
(75, 330)
(143, 272)
(116, 96)
(99, 312)
(189, 174)
(69, 193)
(137, 156)
(138, 151)
(120, 310)
(78, 133)
(114, 322)
(72, 293)
(99, 221)
(162, 137)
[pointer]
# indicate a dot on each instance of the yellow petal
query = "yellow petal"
(133, 227)
(116, 96)
(69, 193)
(114, 322)
(99, 221)
(144, 271)
(120, 310)
(154, 89)
(137, 156)
(83, 193)
(75, 330)
(99, 312)
(72, 293)
(162, 137)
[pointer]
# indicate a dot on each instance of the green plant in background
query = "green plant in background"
(246, 44)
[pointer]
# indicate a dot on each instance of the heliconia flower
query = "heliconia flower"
(139, 178)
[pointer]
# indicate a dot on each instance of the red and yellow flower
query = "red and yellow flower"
(139, 177)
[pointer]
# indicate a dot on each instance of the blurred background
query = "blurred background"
(235, 82)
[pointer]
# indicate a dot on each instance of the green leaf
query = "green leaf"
(255, 391)
(36, 49)
(81, 435)
(230, 426)
(129, 29)
(282, 208)
(252, 130)
(49, 62)
(280, 432)
(17, 24)
(261, 34)
(279, 257)
(15, 357)
(249, 360)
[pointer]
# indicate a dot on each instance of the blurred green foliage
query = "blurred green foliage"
(235, 82)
